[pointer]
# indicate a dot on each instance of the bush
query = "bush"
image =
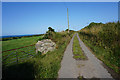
(49, 34)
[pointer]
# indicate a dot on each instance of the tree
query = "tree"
(50, 29)
(66, 30)
(49, 33)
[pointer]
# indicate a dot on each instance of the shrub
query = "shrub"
(49, 33)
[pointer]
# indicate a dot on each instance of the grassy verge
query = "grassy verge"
(41, 66)
(77, 51)
(104, 41)
(101, 53)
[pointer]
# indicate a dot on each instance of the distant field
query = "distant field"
(16, 43)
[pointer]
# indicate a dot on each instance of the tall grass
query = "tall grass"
(104, 40)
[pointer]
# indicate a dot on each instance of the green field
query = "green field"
(20, 54)
(40, 66)
(16, 43)
(77, 51)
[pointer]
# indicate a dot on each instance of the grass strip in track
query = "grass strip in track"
(77, 51)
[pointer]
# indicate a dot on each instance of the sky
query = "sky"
(20, 18)
(60, 0)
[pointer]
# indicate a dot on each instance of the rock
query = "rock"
(44, 46)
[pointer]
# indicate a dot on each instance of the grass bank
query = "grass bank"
(77, 51)
(41, 66)
(104, 41)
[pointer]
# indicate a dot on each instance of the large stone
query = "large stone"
(44, 46)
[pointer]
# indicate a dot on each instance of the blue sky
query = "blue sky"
(19, 18)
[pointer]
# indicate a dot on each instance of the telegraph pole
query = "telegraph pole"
(68, 20)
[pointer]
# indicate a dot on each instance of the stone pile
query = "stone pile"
(44, 46)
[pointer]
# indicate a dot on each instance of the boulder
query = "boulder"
(45, 45)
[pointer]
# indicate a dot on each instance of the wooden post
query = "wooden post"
(68, 20)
